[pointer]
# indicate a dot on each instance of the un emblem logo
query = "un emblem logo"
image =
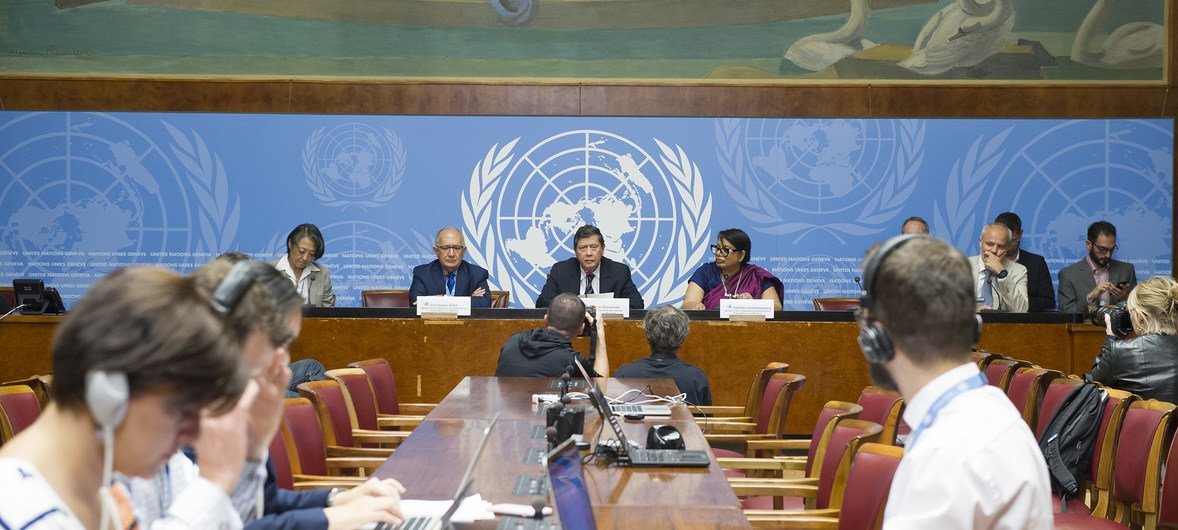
(847, 177)
(89, 192)
(353, 164)
(521, 213)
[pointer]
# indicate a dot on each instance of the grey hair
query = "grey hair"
(666, 328)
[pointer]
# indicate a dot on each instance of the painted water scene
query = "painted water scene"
(700, 41)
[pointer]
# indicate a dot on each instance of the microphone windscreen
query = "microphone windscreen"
(550, 433)
(538, 505)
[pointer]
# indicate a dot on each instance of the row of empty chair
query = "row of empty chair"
(400, 298)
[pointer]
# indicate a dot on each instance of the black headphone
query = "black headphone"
(234, 286)
(873, 340)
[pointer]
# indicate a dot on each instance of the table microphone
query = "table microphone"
(859, 284)
(538, 505)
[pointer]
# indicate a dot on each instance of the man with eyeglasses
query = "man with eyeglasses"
(450, 274)
(1098, 279)
(999, 283)
(589, 272)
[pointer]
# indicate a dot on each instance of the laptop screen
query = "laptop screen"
(566, 480)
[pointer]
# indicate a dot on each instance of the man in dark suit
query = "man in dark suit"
(450, 274)
(1098, 279)
(1040, 291)
(589, 272)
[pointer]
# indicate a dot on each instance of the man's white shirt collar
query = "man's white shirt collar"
(928, 394)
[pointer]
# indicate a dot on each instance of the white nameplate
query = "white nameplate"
(737, 307)
(609, 306)
(457, 305)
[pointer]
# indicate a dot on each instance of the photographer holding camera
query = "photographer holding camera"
(548, 351)
(1148, 364)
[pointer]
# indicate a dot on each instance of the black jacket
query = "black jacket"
(1040, 290)
(690, 380)
(614, 277)
(1146, 366)
(538, 352)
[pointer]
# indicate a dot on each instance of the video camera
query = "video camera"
(1118, 314)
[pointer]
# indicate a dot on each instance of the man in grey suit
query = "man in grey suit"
(1098, 279)
(999, 282)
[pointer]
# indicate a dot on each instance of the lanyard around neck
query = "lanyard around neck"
(977, 381)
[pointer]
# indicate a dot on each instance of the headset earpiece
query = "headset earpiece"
(107, 394)
(977, 328)
(234, 286)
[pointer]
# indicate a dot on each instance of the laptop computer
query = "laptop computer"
(566, 482)
(640, 457)
(443, 522)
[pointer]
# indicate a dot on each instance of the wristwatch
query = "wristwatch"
(331, 495)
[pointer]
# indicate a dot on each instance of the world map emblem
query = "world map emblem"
(521, 212)
(353, 164)
(835, 177)
(88, 192)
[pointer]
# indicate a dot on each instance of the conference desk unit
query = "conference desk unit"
(430, 357)
(432, 460)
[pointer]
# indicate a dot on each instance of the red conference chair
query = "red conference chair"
(358, 389)
(19, 408)
(752, 401)
(384, 298)
(384, 388)
(999, 371)
(341, 432)
(306, 450)
(500, 299)
(1057, 391)
(836, 304)
(859, 496)
(8, 294)
(883, 407)
(771, 417)
(1026, 389)
(42, 386)
(1137, 472)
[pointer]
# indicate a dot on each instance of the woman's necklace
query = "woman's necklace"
(735, 288)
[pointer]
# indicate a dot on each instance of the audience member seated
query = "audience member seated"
(135, 365)
(971, 461)
(304, 247)
(666, 328)
(1098, 279)
(548, 351)
(590, 272)
(1000, 284)
(1040, 291)
(450, 274)
(914, 225)
(1146, 365)
(731, 275)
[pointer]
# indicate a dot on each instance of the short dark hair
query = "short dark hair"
(588, 231)
(566, 313)
(308, 231)
(156, 327)
(923, 294)
(265, 305)
(916, 218)
(1010, 220)
(739, 240)
(1101, 228)
(233, 256)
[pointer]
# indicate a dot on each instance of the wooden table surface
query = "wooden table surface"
(431, 461)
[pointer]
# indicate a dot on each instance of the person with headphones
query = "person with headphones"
(135, 363)
(970, 461)
(264, 314)
(304, 247)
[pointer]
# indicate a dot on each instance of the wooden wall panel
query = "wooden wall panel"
(458, 99)
(143, 95)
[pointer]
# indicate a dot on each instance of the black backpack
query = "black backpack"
(1069, 438)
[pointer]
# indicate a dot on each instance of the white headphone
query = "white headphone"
(107, 394)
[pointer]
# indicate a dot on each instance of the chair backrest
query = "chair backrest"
(832, 411)
(385, 298)
(1112, 421)
(301, 421)
(838, 448)
(384, 385)
(8, 294)
(357, 388)
(836, 304)
(984, 358)
(1057, 390)
(333, 410)
(883, 407)
(500, 299)
(19, 408)
(1026, 389)
(753, 401)
(999, 371)
(862, 500)
(284, 470)
(1137, 471)
(1168, 497)
(42, 386)
(775, 402)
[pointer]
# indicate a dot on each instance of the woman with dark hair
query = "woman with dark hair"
(731, 275)
(304, 246)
